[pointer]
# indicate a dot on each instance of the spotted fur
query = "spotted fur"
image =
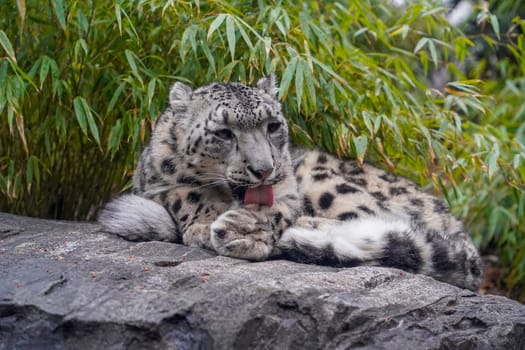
(213, 143)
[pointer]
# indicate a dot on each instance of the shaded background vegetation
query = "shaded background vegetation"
(82, 82)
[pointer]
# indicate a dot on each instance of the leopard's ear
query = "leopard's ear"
(269, 85)
(180, 93)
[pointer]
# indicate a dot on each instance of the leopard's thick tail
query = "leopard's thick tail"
(138, 219)
(389, 242)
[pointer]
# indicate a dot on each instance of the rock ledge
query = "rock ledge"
(66, 285)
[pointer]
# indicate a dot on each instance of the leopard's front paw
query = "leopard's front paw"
(242, 234)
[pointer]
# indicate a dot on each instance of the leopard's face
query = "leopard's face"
(234, 134)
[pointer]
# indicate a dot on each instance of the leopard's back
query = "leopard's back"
(343, 190)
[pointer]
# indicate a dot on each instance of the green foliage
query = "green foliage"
(493, 202)
(82, 82)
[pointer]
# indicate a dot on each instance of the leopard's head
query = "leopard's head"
(231, 133)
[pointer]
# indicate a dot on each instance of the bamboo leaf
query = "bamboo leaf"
(282, 27)
(151, 90)
(6, 45)
(244, 34)
(58, 6)
(55, 78)
(82, 21)
(17, 186)
(130, 24)
(267, 45)
(403, 30)
(299, 78)
(207, 52)
(420, 44)
(44, 70)
(29, 173)
(433, 52)
(188, 37)
(287, 77)
(131, 61)
(115, 136)
(215, 24)
(494, 22)
(80, 114)
(516, 162)
(118, 15)
(492, 160)
(230, 34)
(91, 121)
(21, 5)
(367, 119)
(360, 144)
(227, 70)
(10, 118)
(330, 71)
(115, 97)
(21, 130)
(311, 88)
(360, 32)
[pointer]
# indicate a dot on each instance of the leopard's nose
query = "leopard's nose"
(260, 174)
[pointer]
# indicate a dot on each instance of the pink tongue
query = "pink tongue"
(259, 195)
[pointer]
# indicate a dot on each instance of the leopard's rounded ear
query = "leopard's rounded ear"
(180, 93)
(269, 85)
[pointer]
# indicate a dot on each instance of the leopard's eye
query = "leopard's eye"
(274, 126)
(225, 134)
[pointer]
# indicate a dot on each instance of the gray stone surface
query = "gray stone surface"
(67, 286)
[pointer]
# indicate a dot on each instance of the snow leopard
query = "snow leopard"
(220, 173)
